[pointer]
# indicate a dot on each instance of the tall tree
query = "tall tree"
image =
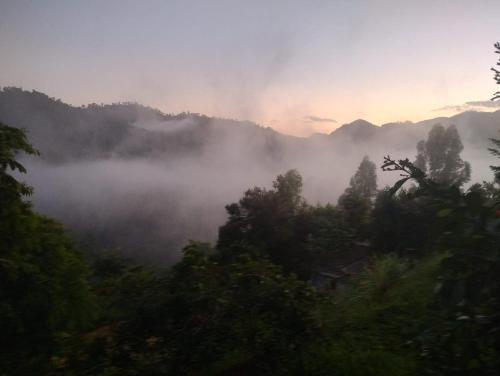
(356, 201)
(440, 156)
(364, 181)
(421, 161)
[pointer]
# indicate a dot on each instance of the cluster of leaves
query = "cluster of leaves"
(13, 140)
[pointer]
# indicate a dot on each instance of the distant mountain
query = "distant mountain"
(125, 130)
(357, 131)
(475, 128)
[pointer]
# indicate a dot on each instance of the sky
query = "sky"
(296, 66)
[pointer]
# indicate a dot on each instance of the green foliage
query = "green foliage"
(465, 339)
(279, 224)
(402, 223)
(118, 284)
(364, 181)
(330, 235)
(421, 160)
(373, 323)
(496, 152)
(356, 201)
(356, 211)
(43, 290)
(276, 222)
(12, 140)
(385, 272)
(208, 317)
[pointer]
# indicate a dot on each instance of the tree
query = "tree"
(421, 160)
(356, 201)
(440, 156)
(12, 141)
(497, 72)
(364, 181)
(43, 288)
(496, 150)
(275, 222)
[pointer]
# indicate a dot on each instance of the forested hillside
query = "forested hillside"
(65, 133)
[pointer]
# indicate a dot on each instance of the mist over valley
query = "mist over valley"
(129, 177)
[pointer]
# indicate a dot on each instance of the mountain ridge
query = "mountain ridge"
(129, 112)
(130, 130)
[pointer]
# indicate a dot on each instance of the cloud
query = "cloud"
(450, 108)
(471, 105)
(318, 119)
(488, 103)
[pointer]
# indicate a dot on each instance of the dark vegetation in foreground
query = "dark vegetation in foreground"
(426, 303)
